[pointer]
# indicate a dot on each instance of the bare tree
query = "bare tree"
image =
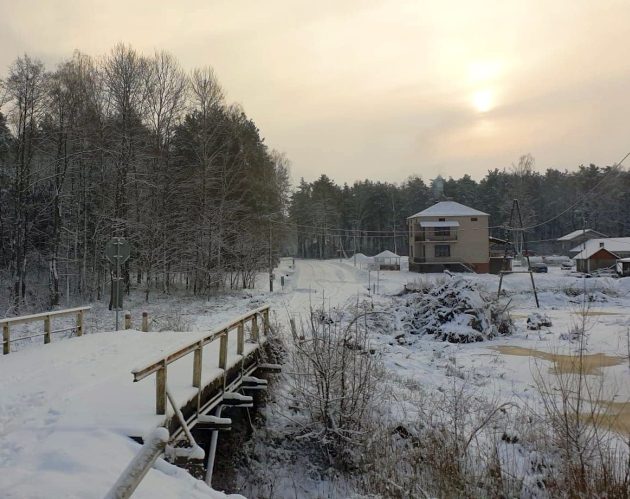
(26, 88)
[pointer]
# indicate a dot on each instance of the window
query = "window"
(441, 219)
(442, 231)
(473, 219)
(601, 245)
(442, 250)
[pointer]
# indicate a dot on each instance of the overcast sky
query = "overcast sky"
(380, 89)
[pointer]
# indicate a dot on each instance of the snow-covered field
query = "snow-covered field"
(334, 282)
(51, 448)
(489, 374)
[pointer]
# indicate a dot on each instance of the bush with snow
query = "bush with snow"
(536, 321)
(455, 311)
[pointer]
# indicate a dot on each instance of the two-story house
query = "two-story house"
(449, 235)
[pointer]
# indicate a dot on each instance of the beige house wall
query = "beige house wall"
(469, 245)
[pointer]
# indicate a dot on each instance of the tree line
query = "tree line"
(331, 220)
(132, 146)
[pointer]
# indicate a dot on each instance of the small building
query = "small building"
(449, 235)
(623, 267)
(387, 260)
(601, 253)
(572, 239)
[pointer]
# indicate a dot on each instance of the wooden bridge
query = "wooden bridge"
(132, 382)
(223, 373)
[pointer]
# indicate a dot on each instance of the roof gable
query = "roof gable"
(386, 254)
(449, 209)
(611, 244)
(603, 254)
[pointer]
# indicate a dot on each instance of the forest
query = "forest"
(132, 146)
(331, 220)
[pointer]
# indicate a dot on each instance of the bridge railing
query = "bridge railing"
(47, 317)
(159, 367)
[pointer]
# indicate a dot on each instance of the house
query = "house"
(572, 239)
(387, 260)
(449, 235)
(600, 253)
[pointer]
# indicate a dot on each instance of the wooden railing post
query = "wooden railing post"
(6, 339)
(223, 350)
(160, 390)
(145, 322)
(255, 327)
(240, 338)
(197, 360)
(47, 329)
(127, 320)
(266, 322)
(80, 323)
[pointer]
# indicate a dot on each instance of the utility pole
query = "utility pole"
(270, 261)
(518, 234)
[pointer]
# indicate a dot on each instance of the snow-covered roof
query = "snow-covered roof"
(576, 233)
(386, 254)
(624, 260)
(611, 244)
(449, 209)
(360, 257)
(448, 223)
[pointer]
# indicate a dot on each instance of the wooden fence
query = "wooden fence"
(47, 318)
(159, 367)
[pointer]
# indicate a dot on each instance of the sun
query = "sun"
(483, 100)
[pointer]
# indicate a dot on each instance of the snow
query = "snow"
(67, 408)
(81, 463)
(449, 209)
(386, 254)
(64, 418)
(455, 311)
(433, 365)
(361, 258)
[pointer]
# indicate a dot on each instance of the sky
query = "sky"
(380, 89)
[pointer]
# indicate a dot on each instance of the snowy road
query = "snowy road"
(332, 283)
(315, 281)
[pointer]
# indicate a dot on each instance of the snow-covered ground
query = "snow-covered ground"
(430, 362)
(435, 365)
(59, 437)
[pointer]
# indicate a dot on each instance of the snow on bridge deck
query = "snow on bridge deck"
(82, 387)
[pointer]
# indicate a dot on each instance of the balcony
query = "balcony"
(440, 236)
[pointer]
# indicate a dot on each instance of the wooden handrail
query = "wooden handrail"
(33, 317)
(140, 465)
(159, 367)
(140, 373)
(7, 322)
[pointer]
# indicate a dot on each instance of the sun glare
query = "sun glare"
(484, 71)
(483, 100)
